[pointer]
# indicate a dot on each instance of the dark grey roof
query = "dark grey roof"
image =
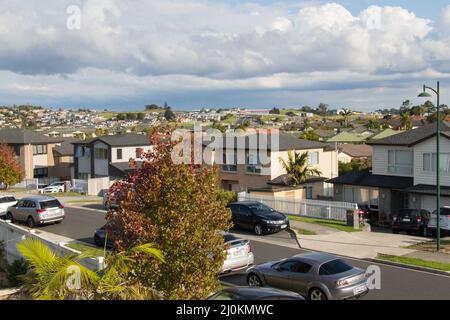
(122, 140)
(367, 179)
(428, 189)
(282, 180)
(22, 136)
(286, 141)
(412, 137)
(66, 148)
(124, 167)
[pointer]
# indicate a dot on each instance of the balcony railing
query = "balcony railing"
(253, 169)
(229, 168)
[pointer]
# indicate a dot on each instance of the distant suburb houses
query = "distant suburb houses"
(403, 173)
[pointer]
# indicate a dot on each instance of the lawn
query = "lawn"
(66, 194)
(339, 225)
(415, 262)
(431, 246)
(83, 248)
(83, 201)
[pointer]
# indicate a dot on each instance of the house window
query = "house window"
(309, 192)
(16, 149)
(429, 162)
(40, 172)
(253, 163)
(400, 161)
(139, 152)
(39, 149)
(230, 163)
(101, 154)
(119, 154)
(313, 158)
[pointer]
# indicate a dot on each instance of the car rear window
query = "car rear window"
(7, 199)
(229, 237)
(408, 212)
(49, 204)
(334, 267)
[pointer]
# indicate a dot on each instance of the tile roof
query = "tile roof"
(412, 137)
(356, 150)
(22, 136)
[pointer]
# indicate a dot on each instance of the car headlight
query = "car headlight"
(270, 221)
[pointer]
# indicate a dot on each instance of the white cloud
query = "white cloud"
(130, 48)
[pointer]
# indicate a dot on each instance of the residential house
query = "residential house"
(403, 173)
(34, 150)
(108, 156)
(255, 177)
(63, 156)
(348, 152)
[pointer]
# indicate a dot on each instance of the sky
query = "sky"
(122, 55)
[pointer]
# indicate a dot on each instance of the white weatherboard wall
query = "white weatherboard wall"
(127, 153)
(11, 234)
(429, 146)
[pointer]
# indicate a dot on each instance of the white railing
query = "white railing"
(330, 210)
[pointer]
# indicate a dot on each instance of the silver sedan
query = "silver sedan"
(239, 253)
(317, 276)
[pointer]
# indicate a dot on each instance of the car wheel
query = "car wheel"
(316, 294)
(254, 281)
(9, 217)
(408, 233)
(98, 241)
(258, 229)
(30, 222)
(394, 231)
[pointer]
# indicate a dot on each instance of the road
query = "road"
(396, 283)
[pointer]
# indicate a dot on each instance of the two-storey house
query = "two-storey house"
(403, 173)
(108, 156)
(34, 150)
(253, 175)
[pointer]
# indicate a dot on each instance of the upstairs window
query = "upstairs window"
(400, 161)
(119, 154)
(39, 149)
(313, 158)
(101, 154)
(429, 162)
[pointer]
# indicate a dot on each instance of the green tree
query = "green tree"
(152, 106)
(322, 109)
(140, 116)
(10, 168)
(354, 165)
(274, 111)
(180, 208)
(310, 135)
(346, 113)
(49, 274)
(297, 168)
(374, 124)
(169, 115)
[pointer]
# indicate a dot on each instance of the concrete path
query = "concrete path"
(318, 229)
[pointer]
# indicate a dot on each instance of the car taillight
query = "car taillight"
(40, 210)
(61, 207)
(394, 218)
(360, 212)
(249, 248)
(419, 219)
(341, 283)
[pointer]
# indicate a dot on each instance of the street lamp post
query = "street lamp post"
(438, 186)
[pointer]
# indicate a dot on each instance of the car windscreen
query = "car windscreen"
(334, 267)
(228, 237)
(49, 204)
(408, 212)
(260, 208)
(7, 199)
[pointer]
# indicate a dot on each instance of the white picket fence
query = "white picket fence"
(329, 210)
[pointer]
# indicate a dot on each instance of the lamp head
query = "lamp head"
(424, 93)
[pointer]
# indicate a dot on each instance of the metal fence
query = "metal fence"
(29, 185)
(330, 210)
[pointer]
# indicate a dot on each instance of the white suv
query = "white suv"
(54, 187)
(5, 202)
(444, 221)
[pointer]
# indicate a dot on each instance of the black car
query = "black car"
(100, 237)
(411, 221)
(258, 217)
(253, 293)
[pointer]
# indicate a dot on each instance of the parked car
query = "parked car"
(54, 187)
(36, 210)
(315, 275)
(100, 237)
(239, 253)
(411, 221)
(444, 221)
(257, 217)
(252, 293)
(109, 200)
(5, 202)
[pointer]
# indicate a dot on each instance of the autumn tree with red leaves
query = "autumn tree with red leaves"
(181, 210)
(10, 169)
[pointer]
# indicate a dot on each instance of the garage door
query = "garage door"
(429, 202)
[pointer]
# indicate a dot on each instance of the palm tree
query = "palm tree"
(297, 168)
(346, 113)
(406, 122)
(48, 275)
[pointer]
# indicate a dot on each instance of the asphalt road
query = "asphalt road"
(396, 283)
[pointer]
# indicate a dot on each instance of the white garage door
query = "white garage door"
(429, 202)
